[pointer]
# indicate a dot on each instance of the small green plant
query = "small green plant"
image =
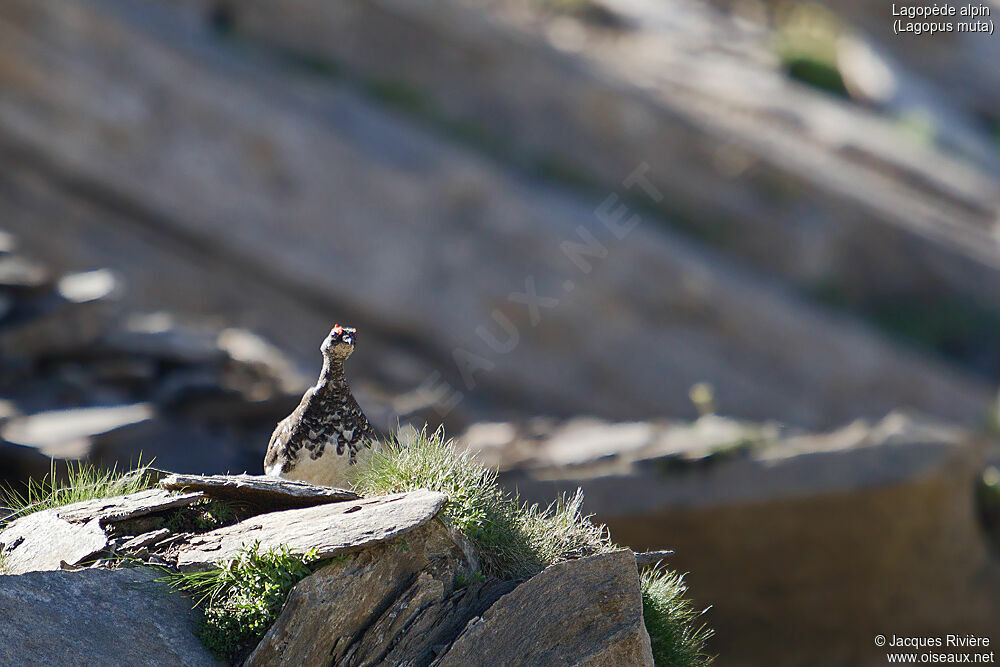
(806, 45)
(464, 579)
(213, 514)
(202, 517)
(671, 620)
(702, 395)
(82, 481)
(243, 597)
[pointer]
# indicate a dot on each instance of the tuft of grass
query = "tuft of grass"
(513, 540)
(671, 620)
(562, 531)
(82, 481)
(243, 597)
(431, 462)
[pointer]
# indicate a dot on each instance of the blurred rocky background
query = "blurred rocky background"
(732, 267)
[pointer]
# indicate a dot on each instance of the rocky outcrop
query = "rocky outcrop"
(411, 604)
(414, 608)
(521, 630)
(500, 303)
(805, 545)
(398, 586)
(96, 617)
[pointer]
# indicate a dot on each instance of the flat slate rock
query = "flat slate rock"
(146, 539)
(123, 508)
(650, 559)
(259, 489)
(43, 541)
(69, 534)
(329, 529)
(96, 617)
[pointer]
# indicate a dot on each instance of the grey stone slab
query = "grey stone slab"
(329, 529)
(96, 618)
(131, 506)
(43, 541)
(258, 489)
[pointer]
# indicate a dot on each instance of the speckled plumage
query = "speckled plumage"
(327, 432)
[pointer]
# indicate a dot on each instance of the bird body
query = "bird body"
(328, 432)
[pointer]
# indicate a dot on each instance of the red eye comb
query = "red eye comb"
(337, 329)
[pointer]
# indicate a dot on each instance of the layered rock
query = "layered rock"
(66, 536)
(520, 628)
(410, 604)
(266, 492)
(801, 184)
(805, 545)
(478, 291)
(398, 586)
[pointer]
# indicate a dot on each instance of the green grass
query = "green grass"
(82, 481)
(672, 621)
(515, 541)
(243, 598)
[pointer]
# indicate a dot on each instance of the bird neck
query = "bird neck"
(332, 375)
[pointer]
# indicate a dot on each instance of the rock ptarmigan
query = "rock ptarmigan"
(325, 435)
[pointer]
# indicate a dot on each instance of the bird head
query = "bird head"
(339, 344)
